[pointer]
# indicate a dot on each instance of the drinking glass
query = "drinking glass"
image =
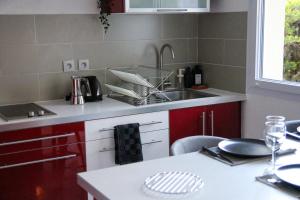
(275, 118)
(274, 135)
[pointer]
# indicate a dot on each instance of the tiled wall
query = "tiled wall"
(32, 49)
(222, 50)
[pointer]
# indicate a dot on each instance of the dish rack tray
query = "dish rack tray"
(137, 82)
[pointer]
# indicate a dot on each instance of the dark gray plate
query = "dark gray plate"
(245, 147)
(289, 174)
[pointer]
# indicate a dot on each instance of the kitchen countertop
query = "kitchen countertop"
(67, 113)
(221, 181)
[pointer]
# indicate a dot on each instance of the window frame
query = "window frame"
(259, 81)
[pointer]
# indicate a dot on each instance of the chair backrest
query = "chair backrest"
(193, 144)
(291, 126)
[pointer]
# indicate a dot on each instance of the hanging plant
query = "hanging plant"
(105, 11)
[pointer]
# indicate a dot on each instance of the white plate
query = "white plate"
(132, 78)
(123, 91)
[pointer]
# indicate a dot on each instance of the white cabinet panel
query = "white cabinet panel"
(166, 6)
(104, 128)
(101, 154)
(99, 136)
(155, 144)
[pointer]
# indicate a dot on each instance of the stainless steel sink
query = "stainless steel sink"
(177, 95)
(164, 96)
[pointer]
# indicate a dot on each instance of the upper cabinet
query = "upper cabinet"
(120, 6)
(166, 6)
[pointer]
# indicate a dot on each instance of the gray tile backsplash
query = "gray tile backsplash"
(223, 25)
(222, 49)
(180, 26)
(67, 28)
(225, 77)
(211, 50)
(134, 27)
(19, 88)
(235, 52)
(32, 48)
(17, 29)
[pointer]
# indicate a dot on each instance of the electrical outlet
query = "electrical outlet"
(69, 65)
(83, 64)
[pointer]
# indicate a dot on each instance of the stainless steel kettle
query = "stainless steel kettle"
(78, 85)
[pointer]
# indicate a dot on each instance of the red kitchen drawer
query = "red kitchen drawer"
(45, 174)
(27, 157)
(42, 137)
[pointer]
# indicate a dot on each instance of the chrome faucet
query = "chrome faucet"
(161, 62)
(161, 55)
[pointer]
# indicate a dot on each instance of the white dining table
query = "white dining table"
(221, 181)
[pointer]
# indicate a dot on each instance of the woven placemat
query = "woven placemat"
(273, 181)
(235, 160)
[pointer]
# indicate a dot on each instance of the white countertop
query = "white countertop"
(67, 113)
(221, 181)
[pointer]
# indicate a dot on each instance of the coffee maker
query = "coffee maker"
(94, 93)
(85, 89)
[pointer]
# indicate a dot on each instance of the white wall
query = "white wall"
(262, 102)
(48, 7)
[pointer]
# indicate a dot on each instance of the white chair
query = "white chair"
(193, 144)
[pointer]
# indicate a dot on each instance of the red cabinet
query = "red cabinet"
(117, 6)
(222, 120)
(42, 163)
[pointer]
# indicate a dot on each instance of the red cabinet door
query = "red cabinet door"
(187, 122)
(117, 6)
(45, 174)
(36, 166)
(224, 120)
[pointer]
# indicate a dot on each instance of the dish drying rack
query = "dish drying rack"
(138, 84)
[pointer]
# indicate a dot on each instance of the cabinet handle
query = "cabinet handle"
(172, 10)
(107, 149)
(147, 143)
(212, 122)
(203, 123)
(37, 139)
(152, 142)
(38, 161)
(143, 124)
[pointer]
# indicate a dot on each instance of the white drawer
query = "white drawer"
(104, 128)
(101, 153)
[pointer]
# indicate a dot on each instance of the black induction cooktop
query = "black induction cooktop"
(23, 111)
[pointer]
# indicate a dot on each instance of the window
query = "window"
(279, 45)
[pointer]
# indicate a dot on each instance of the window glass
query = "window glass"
(292, 41)
(281, 41)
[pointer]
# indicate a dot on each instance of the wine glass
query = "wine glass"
(274, 135)
(275, 118)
